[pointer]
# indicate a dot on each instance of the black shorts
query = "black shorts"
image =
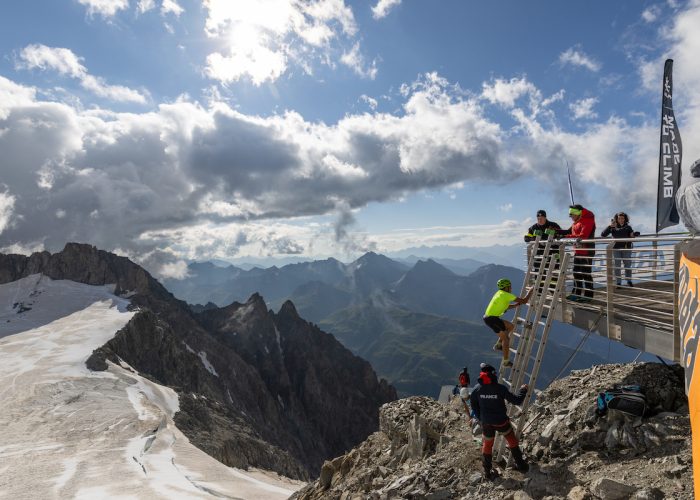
(489, 430)
(495, 323)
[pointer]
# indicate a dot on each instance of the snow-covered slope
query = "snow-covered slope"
(68, 432)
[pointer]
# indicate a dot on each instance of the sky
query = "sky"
(177, 130)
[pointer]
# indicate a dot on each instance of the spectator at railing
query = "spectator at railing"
(622, 250)
(582, 228)
(542, 228)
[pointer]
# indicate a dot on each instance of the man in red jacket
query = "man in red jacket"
(582, 227)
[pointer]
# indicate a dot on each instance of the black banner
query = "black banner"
(669, 157)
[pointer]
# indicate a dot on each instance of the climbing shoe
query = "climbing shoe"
(491, 475)
(487, 461)
(498, 346)
(507, 363)
(520, 463)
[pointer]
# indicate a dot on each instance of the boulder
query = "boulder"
(578, 493)
(609, 489)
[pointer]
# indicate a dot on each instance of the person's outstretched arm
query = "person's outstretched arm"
(515, 399)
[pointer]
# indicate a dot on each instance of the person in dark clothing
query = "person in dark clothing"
(622, 250)
(463, 389)
(542, 228)
(488, 405)
(582, 228)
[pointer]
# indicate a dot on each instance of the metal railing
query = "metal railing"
(631, 279)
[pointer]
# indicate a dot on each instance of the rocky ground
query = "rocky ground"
(425, 450)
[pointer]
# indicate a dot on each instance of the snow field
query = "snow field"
(72, 433)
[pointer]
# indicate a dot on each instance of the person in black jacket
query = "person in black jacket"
(542, 228)
(488, 405)
(622, 250)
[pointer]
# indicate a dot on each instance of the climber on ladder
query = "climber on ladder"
(488, 405)
(500, 303)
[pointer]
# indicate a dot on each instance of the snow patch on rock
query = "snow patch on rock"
(210, 368)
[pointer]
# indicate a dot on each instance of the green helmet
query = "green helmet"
(503, 283)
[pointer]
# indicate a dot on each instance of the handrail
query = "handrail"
(571, 240)
(652, 263)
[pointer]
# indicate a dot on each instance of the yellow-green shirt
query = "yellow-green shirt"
(499, 303)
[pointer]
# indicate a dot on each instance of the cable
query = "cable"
(576, 351)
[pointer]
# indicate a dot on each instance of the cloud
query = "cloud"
(383, 7)
(350, 243)
(116, 177)
(66, 63)
(651, 14)
(263, 38)
(508, 231)
(145, 5)
(174, 270)
(199, 182)
(556, 97)
(576, 57)
(356, 61)
(583, 108)
(258, 63)
(371, 102)
(105, 8)
(7, 203)
(171, 7)
(506, 207)
(507, 92)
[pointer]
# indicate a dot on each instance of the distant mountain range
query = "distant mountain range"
(417, 321)
(506, 255)
(459, 259)
(463, 267)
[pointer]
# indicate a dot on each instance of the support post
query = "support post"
(610, 286)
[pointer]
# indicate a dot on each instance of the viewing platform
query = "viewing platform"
(643, 315)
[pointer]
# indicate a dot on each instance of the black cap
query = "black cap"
(542, 213)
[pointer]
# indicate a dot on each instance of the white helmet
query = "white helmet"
(464, 393)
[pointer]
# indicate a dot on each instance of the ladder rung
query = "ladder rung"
(541, 323)
(520, 320)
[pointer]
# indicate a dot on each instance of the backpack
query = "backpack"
(628, 399)
(464, 379)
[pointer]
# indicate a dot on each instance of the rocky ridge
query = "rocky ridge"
(425, 450)
(234, 401)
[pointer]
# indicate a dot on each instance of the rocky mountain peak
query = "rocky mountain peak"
(288, 309)
(86, 264)
(257, 302)
(373, 258)
(431, 268)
